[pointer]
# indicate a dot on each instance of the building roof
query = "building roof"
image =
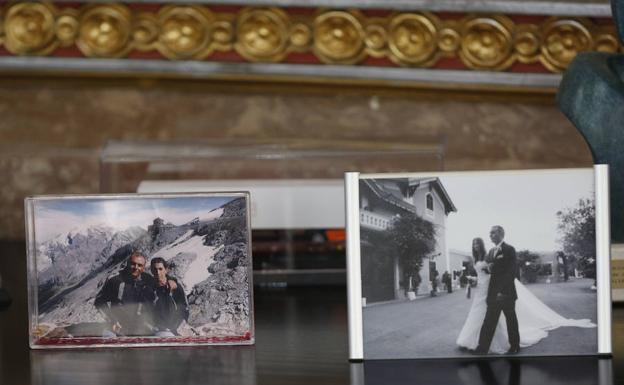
(449, 206)
(388, 196)
(414, 183)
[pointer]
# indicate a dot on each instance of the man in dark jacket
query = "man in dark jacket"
(501, 295)
(170, 306)
(125, 300)
(448, 281)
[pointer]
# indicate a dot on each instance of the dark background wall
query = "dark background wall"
(51, 130)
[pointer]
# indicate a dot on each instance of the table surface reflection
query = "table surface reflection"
(301, 338)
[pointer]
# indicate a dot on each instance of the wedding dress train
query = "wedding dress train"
(535, 318)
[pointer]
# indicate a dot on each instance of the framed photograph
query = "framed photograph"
(460, 264)
(139, 269)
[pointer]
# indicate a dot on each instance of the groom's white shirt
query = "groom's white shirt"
(496, 248)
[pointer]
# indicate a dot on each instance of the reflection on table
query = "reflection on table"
(511, 371)
(145, 366)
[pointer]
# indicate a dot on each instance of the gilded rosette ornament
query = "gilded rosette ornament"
(607, 41)
(67, 27)
(29, 29)
(262, 35)
(271, 35)
(185, 32)
(300, 37)
(105, 31)
(145, 31)
(487, 43)
(413, 39)
(449, 40)
(561, 41)
(527, 43)
(338, 38)
(376, 39)
(1, 27)
(223, 34)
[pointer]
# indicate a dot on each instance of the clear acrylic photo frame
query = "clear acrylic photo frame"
(37, 341)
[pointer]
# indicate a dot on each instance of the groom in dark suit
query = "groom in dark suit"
(501, 296)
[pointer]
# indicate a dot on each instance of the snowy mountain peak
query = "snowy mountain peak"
(67, 237)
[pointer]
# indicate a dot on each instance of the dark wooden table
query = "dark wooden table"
(301, 338)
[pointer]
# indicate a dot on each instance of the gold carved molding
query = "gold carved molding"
(409, 39)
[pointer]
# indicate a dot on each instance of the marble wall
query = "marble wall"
(52, 129)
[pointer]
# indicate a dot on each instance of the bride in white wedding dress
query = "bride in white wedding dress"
(535, 318)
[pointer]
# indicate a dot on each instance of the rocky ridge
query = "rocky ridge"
(223, 298)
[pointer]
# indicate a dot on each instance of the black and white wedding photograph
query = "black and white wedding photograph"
(140, 270)
(478, 264)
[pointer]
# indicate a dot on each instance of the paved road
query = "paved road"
(428, 327)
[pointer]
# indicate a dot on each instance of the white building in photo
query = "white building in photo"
(458, 261)
(380, 201)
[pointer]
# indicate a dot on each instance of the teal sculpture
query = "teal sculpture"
(591, 95)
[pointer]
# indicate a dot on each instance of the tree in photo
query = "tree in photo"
(577, 227)
(412, 238)
(377, 271)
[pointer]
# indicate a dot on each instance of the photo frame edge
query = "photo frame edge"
(603, 243)
(419, 174)
(354, 271)
(31, 270)
(603, 258)
(32, 275)
(252, 312)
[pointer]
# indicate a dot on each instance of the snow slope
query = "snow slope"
(203, 257)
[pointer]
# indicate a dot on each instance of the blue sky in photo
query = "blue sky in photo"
(60, 216)
(98, 206)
